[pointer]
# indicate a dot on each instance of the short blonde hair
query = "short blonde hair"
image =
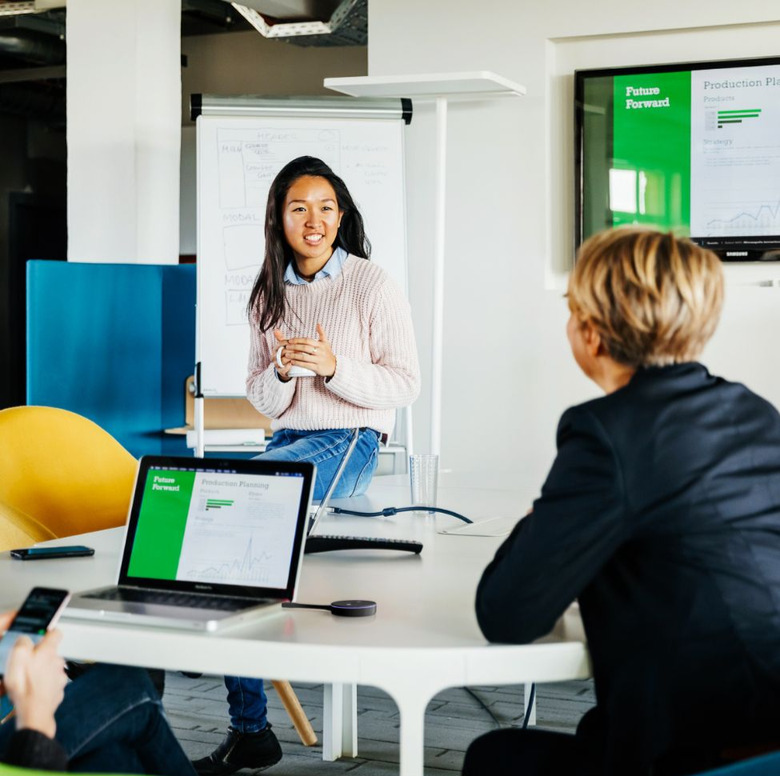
(654, 298)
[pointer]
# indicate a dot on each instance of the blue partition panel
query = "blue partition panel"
(115, 343)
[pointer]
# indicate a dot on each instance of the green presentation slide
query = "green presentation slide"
(161, 523)
(696, 151)
(652, 148)
(218, 527)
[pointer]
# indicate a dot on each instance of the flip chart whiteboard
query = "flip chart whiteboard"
(237, 159)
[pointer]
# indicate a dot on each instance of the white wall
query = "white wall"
(508, 373)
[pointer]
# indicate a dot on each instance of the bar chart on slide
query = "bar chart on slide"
(735, 153)
(240, 534)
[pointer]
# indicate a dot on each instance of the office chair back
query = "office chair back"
(20, 530)
(763, 765)
(60, 475)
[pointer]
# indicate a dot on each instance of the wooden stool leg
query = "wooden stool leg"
(296, 712)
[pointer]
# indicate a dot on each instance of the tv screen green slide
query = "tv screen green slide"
(693, 148)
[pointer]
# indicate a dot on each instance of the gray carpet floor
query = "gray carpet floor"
(197, 710)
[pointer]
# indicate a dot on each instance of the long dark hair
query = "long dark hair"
(351, 236)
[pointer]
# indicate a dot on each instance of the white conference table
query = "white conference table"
(423, 639)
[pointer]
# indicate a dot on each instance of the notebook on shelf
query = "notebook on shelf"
(209, 543)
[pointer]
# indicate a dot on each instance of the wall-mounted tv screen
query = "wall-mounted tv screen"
(690, 147)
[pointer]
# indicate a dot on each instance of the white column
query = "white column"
(438, 274)
(124, 130)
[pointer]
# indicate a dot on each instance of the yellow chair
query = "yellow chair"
(18, 529)
(61, 475)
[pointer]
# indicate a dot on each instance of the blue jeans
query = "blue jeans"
(326, 449)
(246, 697)
(112, 721)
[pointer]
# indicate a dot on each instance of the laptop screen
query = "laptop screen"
(222, 526)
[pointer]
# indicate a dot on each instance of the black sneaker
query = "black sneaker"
(241, 750)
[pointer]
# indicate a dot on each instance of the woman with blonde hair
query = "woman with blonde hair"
(661, 515)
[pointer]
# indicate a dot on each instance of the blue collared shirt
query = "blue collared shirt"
(332, 268)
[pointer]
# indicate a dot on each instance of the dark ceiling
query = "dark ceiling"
(32, 50)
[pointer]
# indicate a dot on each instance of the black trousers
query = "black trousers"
(532, 752)
(516, 752)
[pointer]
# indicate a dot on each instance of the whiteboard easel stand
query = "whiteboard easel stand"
(200, 443)
(209, 107)
(439, 87)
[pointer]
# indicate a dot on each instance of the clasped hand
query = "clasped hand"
(308, 353)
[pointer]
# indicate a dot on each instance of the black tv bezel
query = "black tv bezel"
(736, 252)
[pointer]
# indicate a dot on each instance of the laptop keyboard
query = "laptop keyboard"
(195, 601)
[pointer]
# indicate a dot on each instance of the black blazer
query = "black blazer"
(661, 513)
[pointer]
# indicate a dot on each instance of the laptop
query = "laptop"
(208, 543)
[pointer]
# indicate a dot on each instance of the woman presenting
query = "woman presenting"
(318, 304)
(332, 349)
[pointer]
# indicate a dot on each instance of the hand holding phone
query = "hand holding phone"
(37, 615)
(35, 680)
(41, 553)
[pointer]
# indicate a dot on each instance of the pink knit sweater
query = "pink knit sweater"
(367, 320)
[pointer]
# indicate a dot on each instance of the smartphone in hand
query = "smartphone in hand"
(39, 612)
(41, 553)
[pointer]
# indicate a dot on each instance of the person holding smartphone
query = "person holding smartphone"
(35, 682)
(108, 720)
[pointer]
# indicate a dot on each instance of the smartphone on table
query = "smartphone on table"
(38, 614)
(41, 553)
